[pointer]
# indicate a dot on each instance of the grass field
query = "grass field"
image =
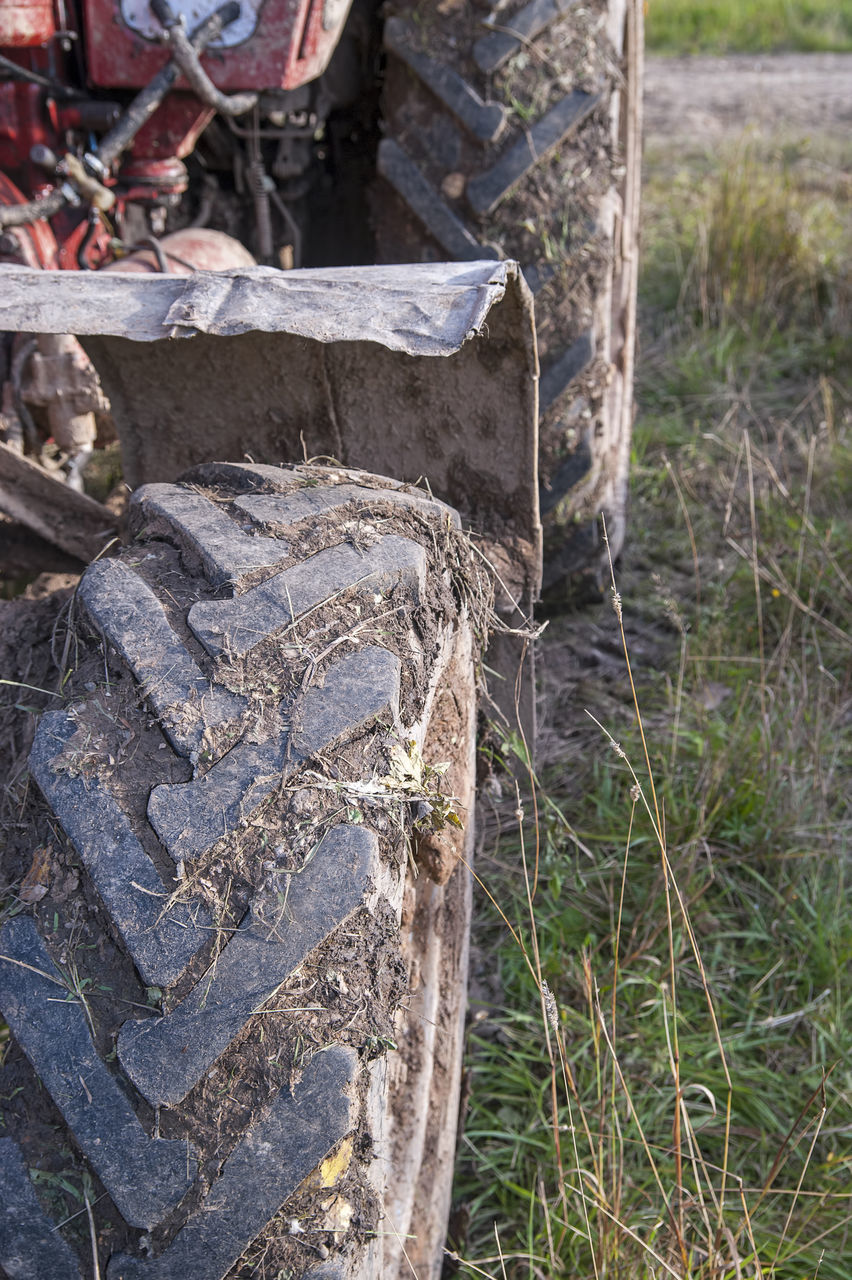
(748, 26)
(661, 1080)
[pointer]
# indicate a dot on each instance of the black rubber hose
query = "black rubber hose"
(83, 247)
(59, 91)
(122, 134)
(145, 103)
(17, 215)
(202, 86)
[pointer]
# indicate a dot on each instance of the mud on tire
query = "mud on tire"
(235, 1009)
(514, 131)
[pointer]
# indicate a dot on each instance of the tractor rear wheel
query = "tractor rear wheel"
(233, 962)
(517, 133)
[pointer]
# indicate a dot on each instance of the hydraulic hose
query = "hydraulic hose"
(185, 54)
(59, 91)
(146, 102)
(17, 215)
(138, 113)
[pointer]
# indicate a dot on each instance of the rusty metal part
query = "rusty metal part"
(146, 103)
(156, 180)
(425, 372)
(53, 510)
(87, 187)
(344, 359)
(83, 178)
(60, 377)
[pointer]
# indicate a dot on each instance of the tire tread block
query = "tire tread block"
(484, 120)
(161, 943)
(492, 50)
(146, 1177)
(29, 1245)
(234, 627)
(189, 817)
(264, 1169)
(356, 689)
(558, 377)
(244, 476)
(165, 1057)
(225, 551)
(130, 617)
(570, 472)
(436, 216)
(485, 191)
(537, 275)
(273, 510)
(302, 480)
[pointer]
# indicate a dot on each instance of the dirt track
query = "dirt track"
(705, 98)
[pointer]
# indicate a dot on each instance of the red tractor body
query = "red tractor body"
(70, 72)
(273, 44)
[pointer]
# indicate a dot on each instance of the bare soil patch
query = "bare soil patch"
(706, 99)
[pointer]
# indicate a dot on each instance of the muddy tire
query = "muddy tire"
(517, 134)
(233, 959)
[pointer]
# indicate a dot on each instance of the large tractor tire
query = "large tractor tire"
(516, 133)
(233, 960)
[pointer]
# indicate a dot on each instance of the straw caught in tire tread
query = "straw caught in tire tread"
(235, 1038)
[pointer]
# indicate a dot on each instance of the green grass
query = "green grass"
(748, 26)
(683, 1106)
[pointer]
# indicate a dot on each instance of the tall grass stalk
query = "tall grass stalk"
(662, 1073)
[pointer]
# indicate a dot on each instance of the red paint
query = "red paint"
(147, 179)
(173, 129)
(288, 48)
(36, 241)
(24, 24)
(72, 229)
(23, 122)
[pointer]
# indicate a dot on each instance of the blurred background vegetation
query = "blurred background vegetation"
(748, 26)
(660, 1055)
